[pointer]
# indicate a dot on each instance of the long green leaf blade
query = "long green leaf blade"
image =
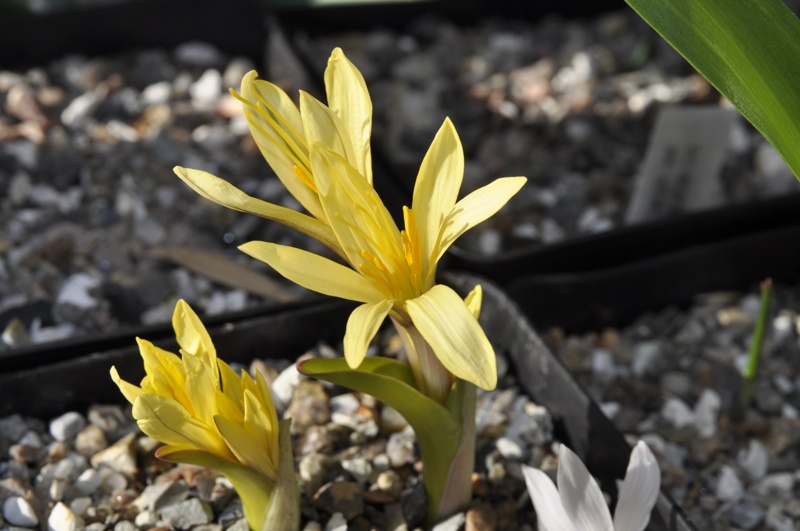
(749, 50)
(438, 432)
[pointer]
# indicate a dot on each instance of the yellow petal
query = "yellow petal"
(191, 335)
(167, 421)
(354, 210)
(265, 402)
(128, 390)
(248, 451)
(227, 195)
(477, 207)
(455, 335)
(230, 381)
(165, 373)
(362, 326)
(474, 301)
(202, 386)
(348, 97)
(322, 125)
(277, 128)
(314, 272)
(437, 186)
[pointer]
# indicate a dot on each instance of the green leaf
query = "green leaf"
(254, 489)
(438, 431)
(749, 50)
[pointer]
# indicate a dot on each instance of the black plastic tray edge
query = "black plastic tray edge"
(631, 243)
(332, 18)
(235, 26)
(31, 356)
(78, 383)
(615, 296)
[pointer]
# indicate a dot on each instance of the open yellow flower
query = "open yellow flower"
(207, 415)
(321, 153)
(393, 271)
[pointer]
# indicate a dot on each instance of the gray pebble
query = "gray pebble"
(454, 523)
(188, 513)
(158, 495)
(747, 515)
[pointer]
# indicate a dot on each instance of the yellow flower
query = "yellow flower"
(206, 414)
(284, 135)
(321, 153)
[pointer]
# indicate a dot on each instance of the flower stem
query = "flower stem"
(457, 491)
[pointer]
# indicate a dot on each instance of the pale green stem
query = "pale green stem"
(432, 379)
(283, 513)
(449, 485)
(457, 491)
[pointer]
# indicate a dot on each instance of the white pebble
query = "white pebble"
(336, 523)
(67, 425)
(706, 412)
(676, 412)
(17, 511)
(208, 88)
(509, 449)
(63, 519)
(729, 486)
(754, 460)
(76, 291)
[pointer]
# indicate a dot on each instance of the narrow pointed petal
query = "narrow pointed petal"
(223, 193)
(314, 272)
(455, 335)
(550, 514)
(580, 495)
(474, 300)
(639, 490)
(128, 390)
(231, 383)
(475, 208)
(190, 333)
(362, 326)
(355, 212)
(323, 125)
(277, 128)
(348, 97)
(437, 186)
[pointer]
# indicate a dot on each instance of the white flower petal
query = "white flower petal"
(550, 514)
(639, 490)
(580, 494)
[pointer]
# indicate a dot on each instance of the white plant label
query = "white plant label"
(681, 167)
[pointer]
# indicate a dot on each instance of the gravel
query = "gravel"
(355, 472)
(676, 384)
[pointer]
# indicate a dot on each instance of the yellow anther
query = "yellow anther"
(306, 178)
